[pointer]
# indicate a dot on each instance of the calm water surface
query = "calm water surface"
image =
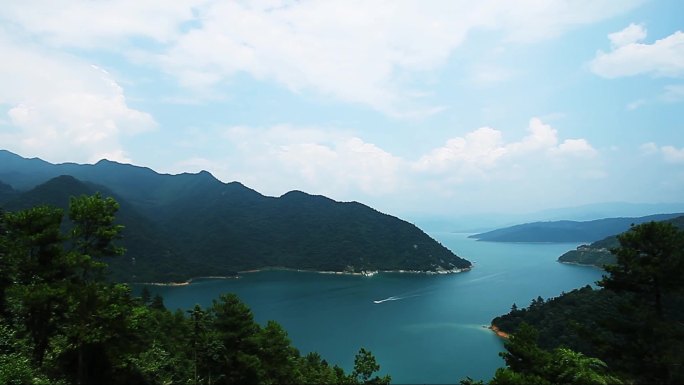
(429, 329)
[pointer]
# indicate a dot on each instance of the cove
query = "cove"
(421, 328)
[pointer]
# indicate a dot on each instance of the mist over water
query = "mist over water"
(421, 328)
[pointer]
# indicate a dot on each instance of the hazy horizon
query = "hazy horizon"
(413, 108)
(487, 220)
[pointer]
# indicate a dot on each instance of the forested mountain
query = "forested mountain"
(598, 253)
(634, 322)
(188, 225)
(566, 231)
(61, 323)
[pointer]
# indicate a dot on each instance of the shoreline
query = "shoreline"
(185, 283)
(580, 264)
(365, 273)
(499, 332)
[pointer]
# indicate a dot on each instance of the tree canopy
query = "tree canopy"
(62, 323)
(634, 325)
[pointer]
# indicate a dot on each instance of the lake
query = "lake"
(424, 328)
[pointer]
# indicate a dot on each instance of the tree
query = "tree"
(527, 364)
(522, 353)
(197, 317)
(35, 260)
(236, 330)
(93, 233)
(650, 262)
(96, 313)
(157, 303)
(145, 296)
(649, 270)
(315, 370)
(34, 244)
(278, 357)
(6, 266)
(570, 367)
(364, 367)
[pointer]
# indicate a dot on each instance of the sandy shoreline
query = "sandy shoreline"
(499, 332)
(363, 273)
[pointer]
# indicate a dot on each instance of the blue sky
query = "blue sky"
(435, 107)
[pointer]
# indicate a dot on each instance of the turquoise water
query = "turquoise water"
(429, 329)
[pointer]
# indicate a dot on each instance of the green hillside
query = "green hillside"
(566, 231)
(189, 225)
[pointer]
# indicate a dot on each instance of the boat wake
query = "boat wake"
(394, 298)
(486, 277)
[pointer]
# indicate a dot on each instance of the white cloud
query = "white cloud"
(317, 160)
(484, 169)
(672, 154)
(575, 147)
(541, 136)
(533, 20)
(669, 154)
(484, 149)
(634, 33)
(664, 58)
(344, 166)
(359, 51)
(636, 104)
(477, 150)
(104, 25)
(367, 52)
(648, 148)
(62, 108)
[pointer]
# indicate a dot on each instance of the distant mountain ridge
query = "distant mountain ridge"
(190, 225)
(567, 231)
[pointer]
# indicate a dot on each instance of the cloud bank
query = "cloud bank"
(62, 108)
(630, 57)
(372, 53)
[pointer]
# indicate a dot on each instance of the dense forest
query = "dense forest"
(634, 323)
(182, 226)
(62, 323)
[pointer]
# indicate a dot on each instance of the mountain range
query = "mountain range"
(567, 231)
(189, 225)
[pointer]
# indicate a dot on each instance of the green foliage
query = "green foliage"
(185, 226)
(364, 368)
(94, 230)
(522, 353)
(650, 262)
(18, 369)
(570, 367)
(278, 357)
(61, 323)
(635, 324)
(527, 363)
